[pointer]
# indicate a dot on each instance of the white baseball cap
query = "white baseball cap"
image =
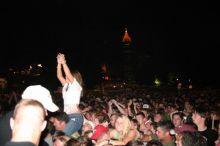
(41, 94)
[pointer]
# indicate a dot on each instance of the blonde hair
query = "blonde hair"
(126, 125)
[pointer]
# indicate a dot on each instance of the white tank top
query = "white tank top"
(71, 96)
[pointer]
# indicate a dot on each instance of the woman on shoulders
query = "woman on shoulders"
(71, 91)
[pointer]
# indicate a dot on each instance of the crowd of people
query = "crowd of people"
(136, 117)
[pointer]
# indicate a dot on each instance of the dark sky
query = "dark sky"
(170, 36)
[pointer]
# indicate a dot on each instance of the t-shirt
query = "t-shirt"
(71, 93)
(210, 135)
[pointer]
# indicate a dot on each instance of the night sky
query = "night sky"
(167, 36)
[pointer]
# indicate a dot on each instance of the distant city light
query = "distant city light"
(39, 65)
(190, 87)
(157, 82)
(106, 78)
(179, 85)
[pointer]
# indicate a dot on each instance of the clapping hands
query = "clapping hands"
(61, 59)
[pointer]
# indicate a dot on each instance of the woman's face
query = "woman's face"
(119, 124)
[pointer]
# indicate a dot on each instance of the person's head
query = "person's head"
(42, 95)
(188, 106)
(89, 115)
(153, 127)
(60, 120)
(87, 133)
(134, 124)
(178, 119)
(123, 124)
(154, 143)
(87, 126)
(28, 121)
(159, 115)
(161, 105)
(135, 143)
(171, 107)
(138, 106)
(140, 118)
(187, 138)
(100, 118)
(145, 110)
(200, 115)
(163, 130)
(81, 141)
(60, 140)
(72, 142)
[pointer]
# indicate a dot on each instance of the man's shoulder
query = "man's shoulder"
(19, 144)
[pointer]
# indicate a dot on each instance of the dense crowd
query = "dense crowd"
(132, 115)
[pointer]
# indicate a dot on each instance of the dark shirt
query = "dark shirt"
(210, 135)
(19, 144)
(5, 134)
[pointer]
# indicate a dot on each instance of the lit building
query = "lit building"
(128, 58)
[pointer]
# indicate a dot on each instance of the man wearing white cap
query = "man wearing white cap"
(41, 94)
(36, 92)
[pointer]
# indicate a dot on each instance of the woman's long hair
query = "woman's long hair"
(127, 125)
(77, 75)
